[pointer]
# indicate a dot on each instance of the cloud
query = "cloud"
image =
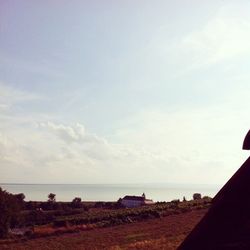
(152, 146)
(74, 133)
(60, 153)
(93, 146)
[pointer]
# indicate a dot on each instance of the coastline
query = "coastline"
(108, 192)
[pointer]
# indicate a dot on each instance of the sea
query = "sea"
(109, 192)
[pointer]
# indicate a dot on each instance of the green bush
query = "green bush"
(37, 217)
(76, 203)
(10, 207)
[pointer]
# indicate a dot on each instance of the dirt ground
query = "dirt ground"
(163, 233)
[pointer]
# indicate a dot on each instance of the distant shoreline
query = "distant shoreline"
(106, 192)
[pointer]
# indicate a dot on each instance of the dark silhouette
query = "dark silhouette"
(246, 143)
(10, 207)
(196, 196)
(76, 202)
(227, 223)
(52, 197)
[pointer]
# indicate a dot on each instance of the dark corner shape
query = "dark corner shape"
(226, 225)
(246, 143)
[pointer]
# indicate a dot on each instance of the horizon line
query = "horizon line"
(139, 183)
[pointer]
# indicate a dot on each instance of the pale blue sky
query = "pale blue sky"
(123, 91)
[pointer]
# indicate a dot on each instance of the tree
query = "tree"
(76, 202)
(9, 212)
(52, 197)
(196, 196)
(20, 197)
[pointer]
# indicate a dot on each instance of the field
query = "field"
(163, 233)
(161, 226)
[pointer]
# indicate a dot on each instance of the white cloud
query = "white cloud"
(67, 133)
(150, 147)
(45, 155)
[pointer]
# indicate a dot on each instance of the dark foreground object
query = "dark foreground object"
(227, 223)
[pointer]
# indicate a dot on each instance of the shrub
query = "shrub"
(99, 204)
(31, 205)
(37, 217)
(51, 197)
(76, 202)
(207, 198)
(196, 196)
(20, 198)
(9, 212)
(177, 201)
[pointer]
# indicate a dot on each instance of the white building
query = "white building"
(135, 201)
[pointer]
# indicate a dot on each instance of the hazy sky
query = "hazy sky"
(123, 91)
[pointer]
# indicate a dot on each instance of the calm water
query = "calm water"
(66, 192)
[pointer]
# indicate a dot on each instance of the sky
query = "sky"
(123, 91)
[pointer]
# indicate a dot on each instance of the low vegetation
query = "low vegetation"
(159, 233)
(10, 211)
(51, 217)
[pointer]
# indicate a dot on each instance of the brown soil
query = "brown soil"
(163, 233)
